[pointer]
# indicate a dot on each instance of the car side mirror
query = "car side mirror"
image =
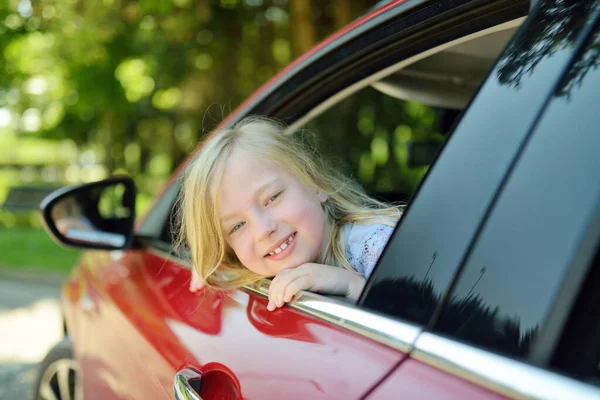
(98, 215)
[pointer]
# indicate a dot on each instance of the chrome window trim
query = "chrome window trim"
(500, 374)
(392, 333)
(495, 372)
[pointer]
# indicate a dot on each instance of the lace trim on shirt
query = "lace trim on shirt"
(365, 245)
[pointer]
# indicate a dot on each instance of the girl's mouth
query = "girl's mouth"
(284, 249)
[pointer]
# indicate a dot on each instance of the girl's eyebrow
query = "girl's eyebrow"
(261, 189)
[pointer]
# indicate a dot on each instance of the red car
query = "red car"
(483, 115)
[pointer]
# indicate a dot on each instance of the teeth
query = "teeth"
(282, 247)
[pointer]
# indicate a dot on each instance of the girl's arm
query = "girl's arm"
(317, 278)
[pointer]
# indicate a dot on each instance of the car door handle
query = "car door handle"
(187, 384)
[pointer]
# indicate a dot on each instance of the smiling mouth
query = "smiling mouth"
(283, 246)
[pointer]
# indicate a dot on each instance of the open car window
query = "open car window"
(387, 129)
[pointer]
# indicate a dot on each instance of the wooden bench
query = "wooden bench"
(26, 198)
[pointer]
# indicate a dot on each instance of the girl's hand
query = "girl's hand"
(318, 278)
(196, 283)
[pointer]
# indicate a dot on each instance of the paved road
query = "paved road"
(30, 325)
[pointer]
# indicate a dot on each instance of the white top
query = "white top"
(364, 243)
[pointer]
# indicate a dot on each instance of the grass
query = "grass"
(33, 249)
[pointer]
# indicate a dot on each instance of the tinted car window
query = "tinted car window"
(578, 352)
(537, 235)
(439, 225)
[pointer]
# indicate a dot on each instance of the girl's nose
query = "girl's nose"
(265, 226)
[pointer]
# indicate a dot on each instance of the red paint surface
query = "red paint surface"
(141, 325)
(414, 380)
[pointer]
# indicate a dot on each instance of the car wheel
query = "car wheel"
(57, 375)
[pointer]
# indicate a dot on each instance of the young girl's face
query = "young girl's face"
(271, 219)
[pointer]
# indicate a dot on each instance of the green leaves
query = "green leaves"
(132, 86)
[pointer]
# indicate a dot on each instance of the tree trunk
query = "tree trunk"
(343, 13)
(301, 27)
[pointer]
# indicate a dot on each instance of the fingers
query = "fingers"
(301, 283)
(285, 286)
(196, 283)
(283, 294)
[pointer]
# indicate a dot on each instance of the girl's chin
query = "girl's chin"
(290, 266)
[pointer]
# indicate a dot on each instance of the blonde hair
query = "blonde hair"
(200, 228)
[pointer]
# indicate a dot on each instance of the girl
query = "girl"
(257, 203)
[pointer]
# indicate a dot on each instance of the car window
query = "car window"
(533, 253)
(578, 351)
(437, 230)
(385, 143)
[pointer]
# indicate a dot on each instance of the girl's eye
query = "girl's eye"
(273, 198)
(237, 227)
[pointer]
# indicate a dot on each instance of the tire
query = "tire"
(57, 377)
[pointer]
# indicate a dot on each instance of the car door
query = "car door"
(526, 290)
(147, 332)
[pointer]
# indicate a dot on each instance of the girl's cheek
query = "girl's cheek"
(244, 247)
(234, 243)
(292, 209)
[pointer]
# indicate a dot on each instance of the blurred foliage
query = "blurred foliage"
(93, 88)
(369, 135)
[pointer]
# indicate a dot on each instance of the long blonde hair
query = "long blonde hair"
(200, 229)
